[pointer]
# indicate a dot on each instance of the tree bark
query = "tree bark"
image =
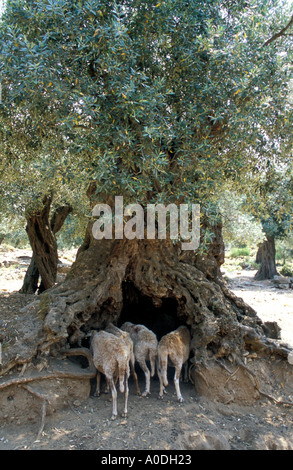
(266, 257)
(42, 238)
(31, 279)
(43, 244)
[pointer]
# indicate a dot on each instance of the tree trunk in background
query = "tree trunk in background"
(31, 278)
(42, 238)
(56, 224)
(266, 255)
(43, 243)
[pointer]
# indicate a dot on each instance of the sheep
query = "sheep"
(129, 343)
(111, 358)
(176, 346)
(145, 348)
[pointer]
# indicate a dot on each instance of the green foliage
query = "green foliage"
(12, 231)
(287, 270)
(236, 252)
(284, 249)
(156, 101)
(240, 229)
(272, 203)
(72, 232)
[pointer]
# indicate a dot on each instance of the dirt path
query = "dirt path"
(154, 424)
(270, 302)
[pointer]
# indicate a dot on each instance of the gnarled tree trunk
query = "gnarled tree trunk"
(155, 283)
(42, 233)
(152, 282)
(266, 256)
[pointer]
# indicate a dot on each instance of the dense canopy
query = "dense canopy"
(158, 101)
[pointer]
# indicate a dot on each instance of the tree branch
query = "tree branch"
(279, 34)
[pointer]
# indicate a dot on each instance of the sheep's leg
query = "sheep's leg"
(164, 371)
(152, 357)
(160, 375)
(126, 393)
(185, 377)
(107, 387)
(147, 383)
(162, 366)
(132, 361)
(178, 368)
(161, 393)
(186, 372)
(147, 374)
(121, 381)
(97, 392)
(114, 397)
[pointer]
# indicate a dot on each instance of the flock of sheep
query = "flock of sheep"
(115, 351)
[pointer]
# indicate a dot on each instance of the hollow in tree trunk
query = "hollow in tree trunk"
(266, 256)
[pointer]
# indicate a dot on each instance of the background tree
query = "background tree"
(158, 102)
(240, 228)
(33, 194)
(272, 207)
(261, 217)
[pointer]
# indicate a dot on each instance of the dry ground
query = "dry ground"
(154, 424)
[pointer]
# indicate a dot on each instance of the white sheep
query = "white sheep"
(111, 358)
(129, 343)
(145, 345)
(176, 346)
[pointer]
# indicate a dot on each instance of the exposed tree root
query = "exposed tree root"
(88, 374)
(261, 392)
(23, 381)
(240, 365)
(45, 399)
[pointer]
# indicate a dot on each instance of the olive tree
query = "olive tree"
(158, 103)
